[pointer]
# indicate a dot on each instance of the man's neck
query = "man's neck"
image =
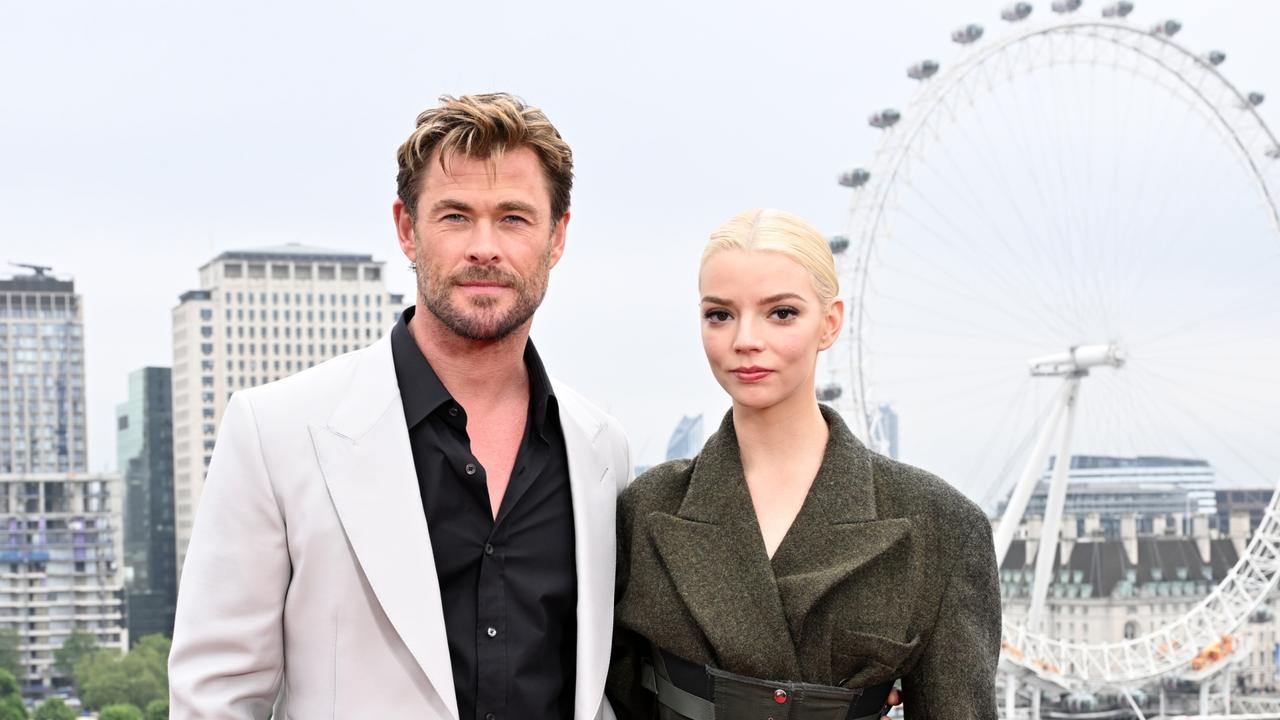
(479, 374)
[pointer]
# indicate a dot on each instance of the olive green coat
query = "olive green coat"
(887, 572)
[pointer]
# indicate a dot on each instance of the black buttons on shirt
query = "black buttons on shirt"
(488, 549)
(453, 411)
(471, 468)
(490, 716)
(491, 632)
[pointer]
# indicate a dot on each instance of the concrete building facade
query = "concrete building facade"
(42, 415)
(258, 316)
(144, 446)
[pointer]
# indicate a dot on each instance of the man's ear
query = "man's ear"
(404, 229)
(557, 238)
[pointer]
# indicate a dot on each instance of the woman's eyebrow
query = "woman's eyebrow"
(780, 297)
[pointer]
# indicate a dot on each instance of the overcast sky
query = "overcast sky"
(138, 140)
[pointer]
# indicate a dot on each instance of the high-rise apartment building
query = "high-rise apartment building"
(59, 525)
(144, 446)
(59, 569)
(42, 419)
(258, 316)
(686, 440)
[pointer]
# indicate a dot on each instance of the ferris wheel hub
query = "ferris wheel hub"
(1078, 360)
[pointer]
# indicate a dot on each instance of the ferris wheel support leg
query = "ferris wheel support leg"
(1133, 703)
(1022, 492)
(1035, 702)
(1204, 697)
(1053, 513)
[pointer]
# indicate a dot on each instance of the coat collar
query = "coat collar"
(753, 610)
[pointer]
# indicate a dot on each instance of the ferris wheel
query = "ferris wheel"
(1068, 242)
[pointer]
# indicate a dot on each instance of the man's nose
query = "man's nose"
(483, 246)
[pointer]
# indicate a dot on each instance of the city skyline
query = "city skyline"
(154, 199)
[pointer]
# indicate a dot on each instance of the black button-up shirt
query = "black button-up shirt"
(508, 586)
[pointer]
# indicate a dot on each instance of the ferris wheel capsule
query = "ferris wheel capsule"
(1215, 57)
(1065, 6)
(923, 70)
(885, 119)
(1274, 153)
(1254, 99)
(855, 178)
(967, 34)
(1168, 28)
(1117, 10)
(828, 393)
(1017, 11)
(838, 243)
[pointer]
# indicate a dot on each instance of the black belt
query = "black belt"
(697, 691)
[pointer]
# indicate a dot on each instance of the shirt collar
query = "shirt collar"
(422, 393)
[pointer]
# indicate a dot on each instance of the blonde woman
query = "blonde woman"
(787, 571)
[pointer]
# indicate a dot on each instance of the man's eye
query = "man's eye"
(454, 217)
(515, 220)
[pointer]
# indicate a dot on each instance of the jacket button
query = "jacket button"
(779, 696)
(471, 469)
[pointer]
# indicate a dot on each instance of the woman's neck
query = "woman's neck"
(789, 434)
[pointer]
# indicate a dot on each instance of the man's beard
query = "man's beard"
(480, 319)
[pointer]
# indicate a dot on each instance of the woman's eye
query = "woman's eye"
(785, 313)
(716, 315)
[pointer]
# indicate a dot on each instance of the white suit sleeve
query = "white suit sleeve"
(227, 658)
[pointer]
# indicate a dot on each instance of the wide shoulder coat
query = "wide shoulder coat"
(887, 572)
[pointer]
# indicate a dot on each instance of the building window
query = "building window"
(372, 274)
(206, 314)
(279, 272)
(206, 348)
(325, 272)
(349, 272)
(233, 270)
(257, 271)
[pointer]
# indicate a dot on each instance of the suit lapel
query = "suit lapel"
(368, 468)
(837, 531)
(594, 510)
(714, 552)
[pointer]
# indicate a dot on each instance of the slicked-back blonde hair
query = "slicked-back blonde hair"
(781, 232)
(484, 127)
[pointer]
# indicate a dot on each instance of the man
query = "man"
(423, 528)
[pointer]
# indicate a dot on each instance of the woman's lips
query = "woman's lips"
(752, 374)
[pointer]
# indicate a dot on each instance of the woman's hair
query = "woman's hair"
(781, 232)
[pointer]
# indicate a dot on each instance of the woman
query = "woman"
(787, 571)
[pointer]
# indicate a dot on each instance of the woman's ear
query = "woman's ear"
(832, 323)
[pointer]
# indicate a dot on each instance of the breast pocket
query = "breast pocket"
(863, 660)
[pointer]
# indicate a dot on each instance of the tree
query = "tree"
(106, 677)
(158, 709)
(54, 709)
(11, 706)
(121, 712)
(10, 658)
(76, 646)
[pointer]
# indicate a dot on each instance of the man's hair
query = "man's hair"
(484, 127)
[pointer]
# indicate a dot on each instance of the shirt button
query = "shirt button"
(488, 549)
(471, 468)
(490, 716)
(453, 411)
(492, 632)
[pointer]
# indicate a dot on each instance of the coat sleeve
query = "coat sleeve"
(629, 700)
(228, 641)
(955, 676)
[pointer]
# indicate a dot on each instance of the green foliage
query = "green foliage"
(106, 677)
(120, 712)
(54, 709)
(11, 706)
(158, 709)
(10, 659)
(76, 646)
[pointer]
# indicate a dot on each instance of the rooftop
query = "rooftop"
(292, 252)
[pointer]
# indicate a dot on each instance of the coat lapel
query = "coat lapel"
(368, 468)
(594, 511)
(714, 552)
(837, 531)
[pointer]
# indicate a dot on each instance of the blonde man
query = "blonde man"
(423, 528)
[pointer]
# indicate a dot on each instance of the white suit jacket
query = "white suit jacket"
(309, 584)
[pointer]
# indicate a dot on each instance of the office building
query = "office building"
(42, 417)
(144, 444)
(258, 316)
